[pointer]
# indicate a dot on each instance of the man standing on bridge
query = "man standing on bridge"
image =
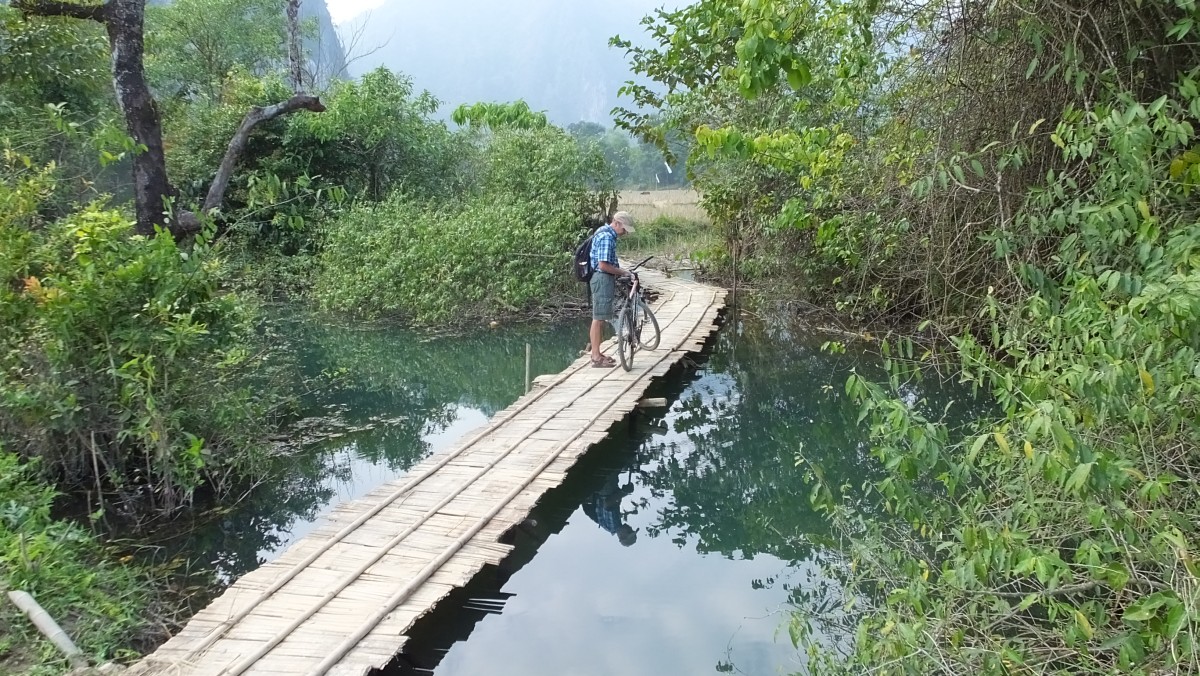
(604, 262)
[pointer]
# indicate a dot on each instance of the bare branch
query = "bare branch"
(189, 222)
(56, 8)
(353, 47)
(256, 116)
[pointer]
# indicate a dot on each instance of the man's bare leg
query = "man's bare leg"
(595, 334)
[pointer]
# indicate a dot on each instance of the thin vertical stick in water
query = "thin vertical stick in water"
(526, 368)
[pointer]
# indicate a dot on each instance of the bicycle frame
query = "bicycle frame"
(631, 301)
(632, 317)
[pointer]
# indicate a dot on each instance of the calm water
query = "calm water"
(395, 398)
(680, 545)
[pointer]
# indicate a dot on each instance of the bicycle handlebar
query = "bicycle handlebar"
(643, 262)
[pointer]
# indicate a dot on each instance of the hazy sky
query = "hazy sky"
(343, 10)
(554, 54)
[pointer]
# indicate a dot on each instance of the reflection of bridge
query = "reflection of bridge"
(341, 600)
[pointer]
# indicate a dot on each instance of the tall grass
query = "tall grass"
(647, 206)
(671, 238)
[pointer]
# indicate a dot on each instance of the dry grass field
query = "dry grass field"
(646, 206)
(670, 225)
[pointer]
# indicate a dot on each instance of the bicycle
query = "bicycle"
(637, 328)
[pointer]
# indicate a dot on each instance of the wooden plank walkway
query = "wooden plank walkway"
(340, 600)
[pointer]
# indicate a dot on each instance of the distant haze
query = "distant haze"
(552, 53)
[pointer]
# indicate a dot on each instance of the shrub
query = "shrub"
(118, 354)
(505, 247)
(101, 604)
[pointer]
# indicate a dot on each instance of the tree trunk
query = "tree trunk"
(295, 57)
(124, 22)
(237, 145)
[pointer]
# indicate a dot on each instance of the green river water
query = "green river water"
(680, 545)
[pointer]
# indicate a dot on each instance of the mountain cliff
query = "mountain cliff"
(327, 59)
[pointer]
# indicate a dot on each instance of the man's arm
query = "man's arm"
(611, 269)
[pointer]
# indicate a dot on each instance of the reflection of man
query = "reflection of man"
(604, 507)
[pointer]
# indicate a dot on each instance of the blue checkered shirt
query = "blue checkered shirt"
(604, 247)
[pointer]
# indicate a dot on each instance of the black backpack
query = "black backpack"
(582, 266)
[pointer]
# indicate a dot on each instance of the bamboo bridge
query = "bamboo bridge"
(341, 600)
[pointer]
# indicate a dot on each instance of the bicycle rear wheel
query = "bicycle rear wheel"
(626, 338)
(649, 334)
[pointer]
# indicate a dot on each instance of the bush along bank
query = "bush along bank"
(1018, 178)
(503, 246)
(103, 604)
(126, 374)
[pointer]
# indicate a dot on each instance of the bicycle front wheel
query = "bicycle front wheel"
(648, 334)
(625, 340)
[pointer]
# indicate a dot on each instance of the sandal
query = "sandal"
(604, 362)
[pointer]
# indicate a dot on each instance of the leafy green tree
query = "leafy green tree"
(515, 115)
(193, 46)
(57, 106)
(1021, 175)
(124, 21)
(586, 131)
(50, 61)
(377, 134)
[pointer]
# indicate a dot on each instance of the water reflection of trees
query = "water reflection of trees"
(718, 472)
(483, 370)
(723, 474)
(421, 382)
(376, 394)
(728, 466)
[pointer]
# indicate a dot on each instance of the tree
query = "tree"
(375, 135)
(586, 131)
(194, 45)
(124, 21)
(515, 115)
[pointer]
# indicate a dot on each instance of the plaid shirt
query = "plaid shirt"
(604, 247)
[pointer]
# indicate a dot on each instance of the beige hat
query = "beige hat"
(624, 219)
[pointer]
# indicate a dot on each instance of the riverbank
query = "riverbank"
(105, 603)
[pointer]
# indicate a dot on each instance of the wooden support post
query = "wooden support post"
(526, 368)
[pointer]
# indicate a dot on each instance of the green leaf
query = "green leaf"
(1079, 477)
(1146, 608)
(1082, 622)
(976, 447)
(799, 76)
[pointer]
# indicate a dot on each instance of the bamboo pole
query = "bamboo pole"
(49, 628)
(526, 368)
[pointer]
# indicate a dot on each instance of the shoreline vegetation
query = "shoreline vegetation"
(1004, 191)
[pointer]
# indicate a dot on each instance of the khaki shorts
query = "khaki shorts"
(603, 290)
